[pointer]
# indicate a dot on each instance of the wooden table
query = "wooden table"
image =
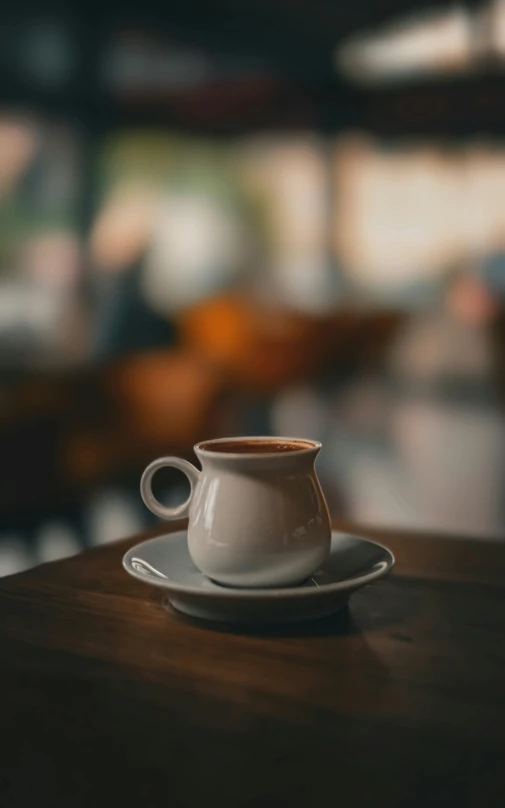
(107, 699)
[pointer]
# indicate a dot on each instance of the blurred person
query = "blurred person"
(119, 243)
(163, 242)
(41, 310)
(422, 444)
(446, 427)
(449, 343)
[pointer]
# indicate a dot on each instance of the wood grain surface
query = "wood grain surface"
(109, 699)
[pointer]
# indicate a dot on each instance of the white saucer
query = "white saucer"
(165, 562)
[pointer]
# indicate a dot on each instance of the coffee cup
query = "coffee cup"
(257, 515)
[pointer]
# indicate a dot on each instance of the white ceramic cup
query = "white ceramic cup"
(257, 515)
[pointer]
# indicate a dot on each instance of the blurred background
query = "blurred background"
(251, 218)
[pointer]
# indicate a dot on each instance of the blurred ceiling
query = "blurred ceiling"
(296, 34)
(289, 45)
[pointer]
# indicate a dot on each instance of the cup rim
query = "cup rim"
(315, 445)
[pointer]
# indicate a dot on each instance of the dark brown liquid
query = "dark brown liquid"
(255, 446)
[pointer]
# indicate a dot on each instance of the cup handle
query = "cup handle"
(146, 491)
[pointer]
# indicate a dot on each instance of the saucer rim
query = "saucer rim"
(229, 593)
